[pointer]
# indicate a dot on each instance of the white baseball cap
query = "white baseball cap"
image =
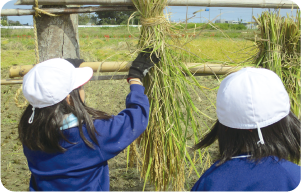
(252, 98)
(50, 81)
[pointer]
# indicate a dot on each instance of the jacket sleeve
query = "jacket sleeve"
(120, 131)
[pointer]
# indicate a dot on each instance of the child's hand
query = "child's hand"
(141, 65)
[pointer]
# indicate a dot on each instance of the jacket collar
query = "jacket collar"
(69, 121)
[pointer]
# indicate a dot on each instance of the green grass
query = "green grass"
(17, 46)
(222, 26)
(100, 32)
(16, 32)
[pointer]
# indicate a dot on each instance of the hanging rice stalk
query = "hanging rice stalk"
(279, 51)
(162, 150)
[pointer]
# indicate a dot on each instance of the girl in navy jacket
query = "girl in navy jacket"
(66, 143)
(258, 136)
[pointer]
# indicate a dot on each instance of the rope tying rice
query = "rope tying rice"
(16, 98)
(149, 22)
(37, 14)
(36, 40)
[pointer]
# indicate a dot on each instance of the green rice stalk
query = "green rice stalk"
(162, 147)
(279, 51)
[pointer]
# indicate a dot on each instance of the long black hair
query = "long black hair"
(282, 139)
(44, 132)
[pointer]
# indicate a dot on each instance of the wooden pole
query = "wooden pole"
(198, 68)
(283, 4)
(94, 78)
(11, 81)
(57, 36)
(19, 70)
(19, 12)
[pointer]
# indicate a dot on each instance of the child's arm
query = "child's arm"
(120, 131)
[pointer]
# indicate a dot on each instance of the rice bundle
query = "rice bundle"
(279, 51)
(162, 147)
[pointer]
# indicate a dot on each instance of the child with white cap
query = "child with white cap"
(258, 136)
(66, 143)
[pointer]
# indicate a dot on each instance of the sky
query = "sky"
(176, 13)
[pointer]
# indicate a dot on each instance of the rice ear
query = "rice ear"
(162, 147)
(281, 52)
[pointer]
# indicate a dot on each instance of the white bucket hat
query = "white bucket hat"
(50, 82)
(251, 99)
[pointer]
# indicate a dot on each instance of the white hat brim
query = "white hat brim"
(83, 75)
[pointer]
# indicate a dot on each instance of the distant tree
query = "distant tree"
(14, 23)
(83, 18)
(93, 19)
(115, 17)
(4, 21)
(4, 18)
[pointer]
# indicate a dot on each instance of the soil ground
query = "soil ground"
(108, 96)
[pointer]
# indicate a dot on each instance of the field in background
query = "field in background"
(98, 44)
(111, 44)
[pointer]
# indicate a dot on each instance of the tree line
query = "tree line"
(99, 18)
(6, 22)
(121, 18)
(107, 18)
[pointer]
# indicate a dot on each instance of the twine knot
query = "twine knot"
(149, 22)
(38, 11)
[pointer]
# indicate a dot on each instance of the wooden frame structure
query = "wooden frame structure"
(68, 21)
(127, 5)
(69, 10)
(195, 68)
(283, 4)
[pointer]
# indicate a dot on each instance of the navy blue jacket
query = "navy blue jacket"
(81, 167)
(241, 174)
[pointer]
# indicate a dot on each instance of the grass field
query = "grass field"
(17, 47)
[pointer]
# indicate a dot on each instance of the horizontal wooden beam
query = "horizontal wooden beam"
(283, 4)
(198, 68)
(70, 10)
(11, 81)
(94, 78)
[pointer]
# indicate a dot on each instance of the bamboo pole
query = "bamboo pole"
(19, 71)
(283, 4)
(70, 10)
(11, 81)
(94, 78)
(198, 68)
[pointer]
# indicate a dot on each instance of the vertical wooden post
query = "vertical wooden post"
(58, 36)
